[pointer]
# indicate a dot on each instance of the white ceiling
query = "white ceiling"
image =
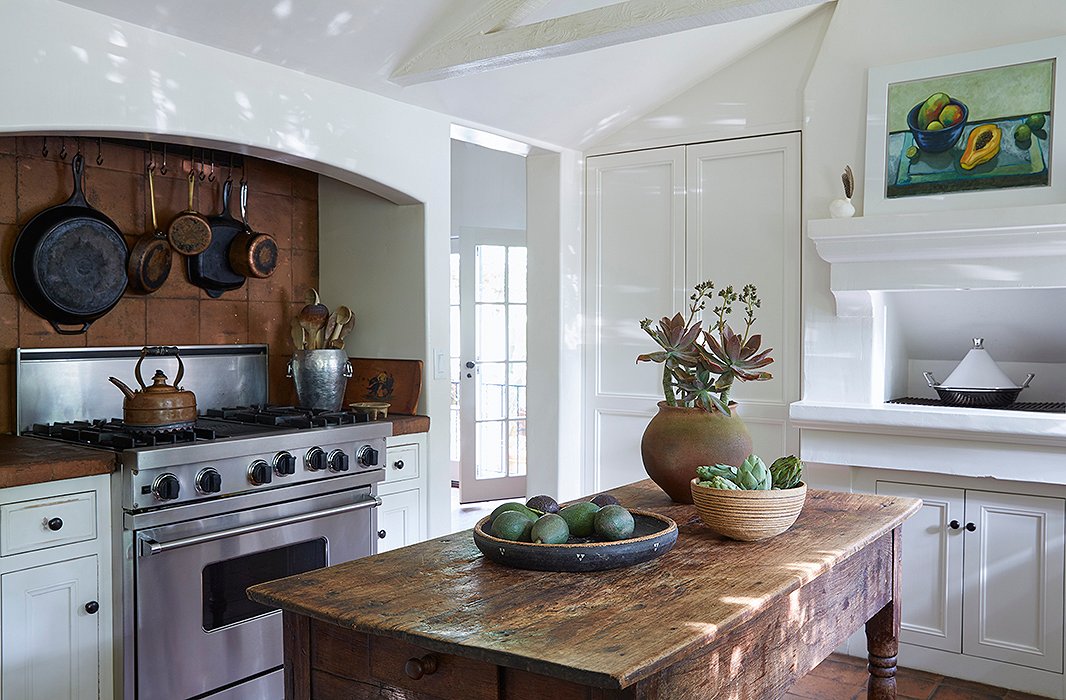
(571, 101)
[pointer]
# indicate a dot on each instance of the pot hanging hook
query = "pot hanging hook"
(163, 168)
(99, 152)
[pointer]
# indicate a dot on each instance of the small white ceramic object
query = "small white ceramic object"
(841, 209)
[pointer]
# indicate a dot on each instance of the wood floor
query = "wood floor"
(844, 678)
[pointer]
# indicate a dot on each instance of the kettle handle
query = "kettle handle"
(156, 351)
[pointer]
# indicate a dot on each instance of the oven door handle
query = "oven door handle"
(149, 546)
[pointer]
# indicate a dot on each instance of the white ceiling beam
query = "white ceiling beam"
(494, 37)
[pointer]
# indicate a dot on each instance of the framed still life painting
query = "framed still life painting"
(972, 130)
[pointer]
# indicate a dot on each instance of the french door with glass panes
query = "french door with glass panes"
(491, 367)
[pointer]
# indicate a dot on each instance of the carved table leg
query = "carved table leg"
(882, 634)
(882, 642)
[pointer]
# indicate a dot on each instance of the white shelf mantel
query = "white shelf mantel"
(1010, 248)
(1013, 445)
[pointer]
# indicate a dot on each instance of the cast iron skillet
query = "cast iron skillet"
(69, 262)
(210, 270)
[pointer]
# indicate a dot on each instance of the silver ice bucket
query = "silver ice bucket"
(320, 376)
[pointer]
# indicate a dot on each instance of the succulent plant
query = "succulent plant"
(706, 473)
(753, 474)
(699, 365)
(786, 472)
(719, 482)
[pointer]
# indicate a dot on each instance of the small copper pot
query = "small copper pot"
(159, 407)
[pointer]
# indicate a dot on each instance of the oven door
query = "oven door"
(196, 629)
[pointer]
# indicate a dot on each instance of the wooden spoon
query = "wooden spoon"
(331, 326)
(347, 327)
(299, 337)
(313, 318)
(341, 317)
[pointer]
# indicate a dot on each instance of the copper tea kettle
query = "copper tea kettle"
(159, 407)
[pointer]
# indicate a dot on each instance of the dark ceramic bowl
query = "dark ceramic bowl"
(653, 536)
(942, 139)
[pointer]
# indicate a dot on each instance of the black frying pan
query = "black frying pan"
(69, 262)
(211, 270)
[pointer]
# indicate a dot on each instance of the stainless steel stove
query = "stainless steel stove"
(251, 493)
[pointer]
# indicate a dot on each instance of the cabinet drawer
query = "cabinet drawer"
(47, 522)
(454, 678)
(402, 463)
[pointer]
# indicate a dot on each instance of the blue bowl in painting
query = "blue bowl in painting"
(939, 140)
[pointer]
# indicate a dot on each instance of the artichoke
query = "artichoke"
(786, 472)
(719, 482)
(706, 473)
(753, 475)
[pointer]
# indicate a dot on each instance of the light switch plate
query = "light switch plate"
(440, 364)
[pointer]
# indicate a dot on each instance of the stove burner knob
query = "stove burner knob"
(166, 487)
(338, 461)
(316, 459)
(259, 473)
(208, 481)
(284, 465)
(367, 457)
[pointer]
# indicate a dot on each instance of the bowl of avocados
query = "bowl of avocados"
(581, 536)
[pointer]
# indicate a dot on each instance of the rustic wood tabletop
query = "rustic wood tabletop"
(606, 629)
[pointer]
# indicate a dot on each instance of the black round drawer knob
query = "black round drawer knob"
(954, 525)
(970, 527)
(416, 668)
(55, 524)
(381, 534)
(92, 607)
(398, 464)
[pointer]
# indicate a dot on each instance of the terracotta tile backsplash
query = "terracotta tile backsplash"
(282, 201)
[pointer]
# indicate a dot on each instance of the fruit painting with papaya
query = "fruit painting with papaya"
(984, 129)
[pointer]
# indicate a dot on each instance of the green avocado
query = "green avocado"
(579, 518)
(613, 523)
(515, 506)
(512, 525)
(550, 529)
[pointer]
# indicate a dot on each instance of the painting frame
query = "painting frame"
(875, 197)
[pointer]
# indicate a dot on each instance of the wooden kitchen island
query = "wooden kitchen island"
(712, 618)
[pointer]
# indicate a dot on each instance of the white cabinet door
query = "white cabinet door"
(932, 566)
(635, 268)
(743, 225)
(399, 520)
(50, 640)
(1014, 579)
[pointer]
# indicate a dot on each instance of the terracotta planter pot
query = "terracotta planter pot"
(677, 440)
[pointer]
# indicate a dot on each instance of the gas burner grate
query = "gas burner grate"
(286, 416)
(114, 435)
(1030, 406)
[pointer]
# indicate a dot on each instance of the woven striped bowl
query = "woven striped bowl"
(748, 515)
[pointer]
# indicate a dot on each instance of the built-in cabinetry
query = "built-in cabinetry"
(659, 221)
(983, 565)
(55, 579)
(402, 515)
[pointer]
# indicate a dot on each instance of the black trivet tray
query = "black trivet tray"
(1031, 406)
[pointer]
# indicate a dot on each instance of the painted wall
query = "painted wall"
(70, 70)
(760, 93)
(488, 188)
